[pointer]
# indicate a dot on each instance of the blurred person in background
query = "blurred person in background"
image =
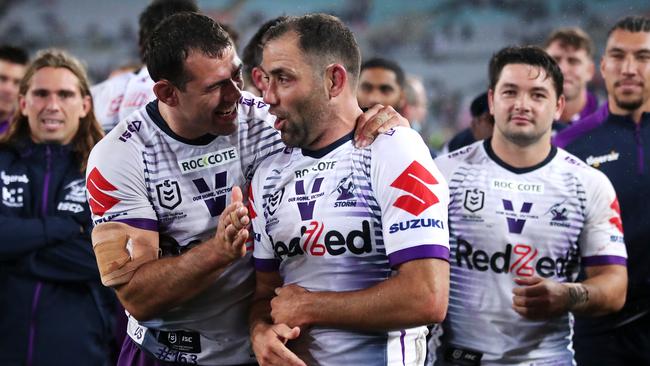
(12, 68)
(117, 97)
(616, 141)
(381, 82)
(480, 128)
(416, 104)
(252, 58)
(573, 50)
(55, 310)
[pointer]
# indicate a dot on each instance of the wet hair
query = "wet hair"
(573, 37)
(155, 13)
(527, 55)
(89, 132)
(173, 41)
(632, 24)
(14, 55)
(324, 39)
(383, 63)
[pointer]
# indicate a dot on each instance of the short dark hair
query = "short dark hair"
(527, 55)
(155, 13)
(383, 63)
(15, 55)
(252, 53)
(479, 105)
(573, 37)
(632, 24)
(324, 39)
(174, 39)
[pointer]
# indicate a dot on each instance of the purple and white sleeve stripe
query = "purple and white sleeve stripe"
(418, 252)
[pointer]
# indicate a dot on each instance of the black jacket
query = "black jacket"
(54, 309)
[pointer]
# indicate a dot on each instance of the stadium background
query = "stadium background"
(447, 42)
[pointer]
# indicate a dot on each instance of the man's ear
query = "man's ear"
(257, 76)
(166, 92)
(336, 80)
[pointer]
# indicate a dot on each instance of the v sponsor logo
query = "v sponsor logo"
(516, 224)
(414, 180)
(99, 200)
(215, 199)
(306, 202)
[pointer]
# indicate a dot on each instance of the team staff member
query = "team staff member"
(616, 141)
(162, 181)
(524, 217)
(55, 310)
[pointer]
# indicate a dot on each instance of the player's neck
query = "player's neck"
(519, 156)
(175, 122)
(635, 114)
(339, 123)
(573, 107)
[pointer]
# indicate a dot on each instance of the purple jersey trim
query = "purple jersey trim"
(599, 260)
(266, 265)
(418, 252)
(145, 224)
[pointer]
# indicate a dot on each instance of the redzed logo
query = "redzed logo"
(99, 201)
(616, 220)
(412, 180)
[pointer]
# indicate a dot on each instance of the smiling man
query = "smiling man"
(524, 217)
(616, 142)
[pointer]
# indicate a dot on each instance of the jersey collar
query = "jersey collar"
(317, 154)
(156, 117)
(503, 164)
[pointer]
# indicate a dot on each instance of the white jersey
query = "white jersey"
(118, 97)
(505, 222)
(340, 219)
(144, 175)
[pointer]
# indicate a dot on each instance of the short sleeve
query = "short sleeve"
(413, 197)
(115, 182)
(602, 241)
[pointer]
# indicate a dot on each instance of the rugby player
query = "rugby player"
(524, 218)
(351, 245)
(159, 184)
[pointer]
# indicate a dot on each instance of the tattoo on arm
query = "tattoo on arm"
(578, 295)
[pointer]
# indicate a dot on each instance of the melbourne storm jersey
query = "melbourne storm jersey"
(118, 97)
(505, 222)
(144, 175)
(339, 219)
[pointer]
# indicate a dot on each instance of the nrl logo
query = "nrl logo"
(474, 200)
(169, 194)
